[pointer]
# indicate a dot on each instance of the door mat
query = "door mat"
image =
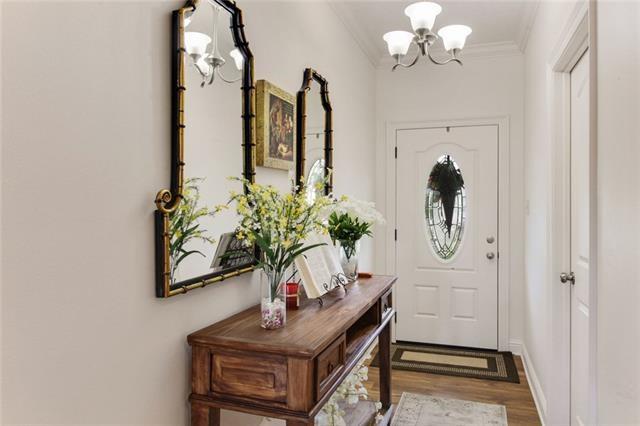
(453, 361)
(418, 410)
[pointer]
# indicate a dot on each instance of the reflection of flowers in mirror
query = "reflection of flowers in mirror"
(184, 225)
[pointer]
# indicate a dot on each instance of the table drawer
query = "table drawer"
(329, 365)
(250, 376)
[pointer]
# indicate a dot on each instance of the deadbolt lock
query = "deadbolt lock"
(570, 277)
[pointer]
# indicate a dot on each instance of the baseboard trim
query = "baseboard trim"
(534, 385)
(515, 346)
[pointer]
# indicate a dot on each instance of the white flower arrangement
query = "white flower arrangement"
(350, 391)
(364, 211)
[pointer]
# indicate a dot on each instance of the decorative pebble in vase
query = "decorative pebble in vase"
(273, 301)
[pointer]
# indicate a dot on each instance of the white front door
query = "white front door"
(580, 241)
(447, 289)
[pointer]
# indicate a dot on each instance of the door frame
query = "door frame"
(504, 202)
(575, 40)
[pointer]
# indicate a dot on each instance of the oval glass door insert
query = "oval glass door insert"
(444, 208)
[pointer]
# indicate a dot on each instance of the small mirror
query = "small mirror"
(196, 239)
(314, 145)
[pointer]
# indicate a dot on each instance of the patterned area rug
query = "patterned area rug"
(451, 361)
(423, 410)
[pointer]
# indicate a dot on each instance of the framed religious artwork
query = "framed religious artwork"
(275, 127)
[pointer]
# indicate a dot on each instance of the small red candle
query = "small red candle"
(292, 295)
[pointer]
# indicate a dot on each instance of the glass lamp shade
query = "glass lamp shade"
(237, 58)
(423, 14)
(454, 36)
(196, 43)
(398, 42)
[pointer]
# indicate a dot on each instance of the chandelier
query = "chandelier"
(423, 16)
(209, 62)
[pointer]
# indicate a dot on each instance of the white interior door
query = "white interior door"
(447, 289)
(580, 241)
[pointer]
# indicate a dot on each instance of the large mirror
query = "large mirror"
(314, 137)
(212, 119)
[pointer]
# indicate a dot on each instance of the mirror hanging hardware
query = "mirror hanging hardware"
(491, 255)
(568, 277)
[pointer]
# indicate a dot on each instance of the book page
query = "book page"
(312, 286)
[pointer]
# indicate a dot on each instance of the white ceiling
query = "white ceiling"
(498, 26)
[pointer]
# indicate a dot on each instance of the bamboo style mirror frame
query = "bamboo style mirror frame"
(169, 200)
(312, 168)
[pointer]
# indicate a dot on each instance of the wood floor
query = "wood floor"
(521, 409)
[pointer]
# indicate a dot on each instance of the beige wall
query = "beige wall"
(85, 146)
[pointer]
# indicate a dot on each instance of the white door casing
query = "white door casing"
(453, 302)
(580, 241)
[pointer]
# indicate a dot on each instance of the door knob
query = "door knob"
(491, 255)
(571, 277)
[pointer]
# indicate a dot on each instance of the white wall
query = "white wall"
(483, 87)
(85, 147)
(618, 292)
(551, 20)
(617, 70)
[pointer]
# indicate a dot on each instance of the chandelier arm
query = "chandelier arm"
(400, 64)
(222, 77)
(452, 59)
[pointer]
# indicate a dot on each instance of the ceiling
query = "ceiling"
(498, 26)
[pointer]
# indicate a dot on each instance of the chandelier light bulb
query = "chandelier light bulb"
(196, 43)
(423, 15)
(398, 42)
(237, 58)
(454, 36)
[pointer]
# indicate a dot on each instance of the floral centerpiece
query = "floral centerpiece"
(185, 227)
(278, 224)
(350, 220)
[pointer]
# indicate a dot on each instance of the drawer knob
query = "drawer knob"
(330, 367)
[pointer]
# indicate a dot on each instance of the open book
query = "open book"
(319, 267)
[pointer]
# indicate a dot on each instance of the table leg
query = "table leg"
(384, 353)
(202, 415)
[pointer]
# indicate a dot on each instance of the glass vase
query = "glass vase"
(349, 253)
(273, 306)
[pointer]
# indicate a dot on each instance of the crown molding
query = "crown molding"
(526, 23)
(351, 23)
(474, 51)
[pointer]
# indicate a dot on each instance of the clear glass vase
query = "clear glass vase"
(349, 253)
(273, 306)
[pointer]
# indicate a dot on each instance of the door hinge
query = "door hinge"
(395, 234)
(396, 152)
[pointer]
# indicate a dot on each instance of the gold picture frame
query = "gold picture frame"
(275, 127)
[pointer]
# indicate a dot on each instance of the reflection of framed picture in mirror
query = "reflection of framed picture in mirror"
(276, 127)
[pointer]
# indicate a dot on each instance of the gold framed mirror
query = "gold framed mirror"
(195, 240)
(314, 134)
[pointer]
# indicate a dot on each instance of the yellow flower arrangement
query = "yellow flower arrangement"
(278, 224)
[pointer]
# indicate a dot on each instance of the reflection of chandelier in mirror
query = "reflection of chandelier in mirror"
(423, 15)
(208, 63)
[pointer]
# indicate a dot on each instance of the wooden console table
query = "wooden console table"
(290, 373)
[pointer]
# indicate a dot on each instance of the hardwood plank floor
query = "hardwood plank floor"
(521, 409)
